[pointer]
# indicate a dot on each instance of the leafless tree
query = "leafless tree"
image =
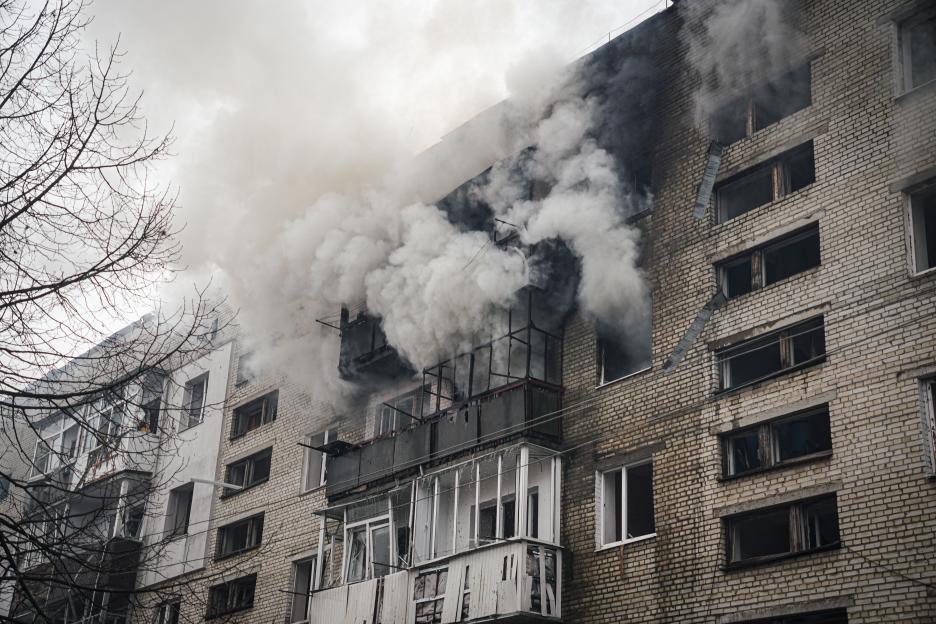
(85, 233)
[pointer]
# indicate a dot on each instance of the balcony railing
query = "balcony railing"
(527, 408)
(516, 579)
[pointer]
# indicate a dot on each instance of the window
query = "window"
(626, 504)
(303, 585)
(239, 536)
(132, 524)
(778, 442)
(251, 415)
(313, 470)
(4, 487)
(774, 353)
(106, 435)
(834, 616)
(928, 389)
(918, 49)
(232, 596)
(770, 263)
(396, 413)
(56, 447)
(768, 534)
(766, 182)
(368, 550)
(245, 372)
(620, 357)
(766, 105)
(179, 510)
(193, 401)
(168, 612)
(429, 595)
(249, 471)
(923, 228)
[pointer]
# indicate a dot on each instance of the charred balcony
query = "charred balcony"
(504, 389)
(364, 350)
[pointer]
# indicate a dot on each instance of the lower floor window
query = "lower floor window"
(232, 596)
(168, 613)
(429, 595)
(303, 584)
(798, 527)
(626, 504)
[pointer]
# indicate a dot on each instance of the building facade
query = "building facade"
(768, 455)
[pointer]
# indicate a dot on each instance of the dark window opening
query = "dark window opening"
(923, 228)
(303, 586)
(231, 597)
(193, 402)
(245, 372)
(833, 616)
(168, 613)
(254, 414)
(764, 106)
(772, 354)
(776, 442)
(620, 356)
(508, 517)
(240, 536)
(766, 182)
(794, 528)
(250, 471)
(771, 263)
(179, 510)
(918, 47)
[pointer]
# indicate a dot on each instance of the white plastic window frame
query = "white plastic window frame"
(599, 507)
(185, 420)
(323, 475)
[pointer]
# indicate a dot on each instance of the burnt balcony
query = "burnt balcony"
(364, 350)
(507, 388)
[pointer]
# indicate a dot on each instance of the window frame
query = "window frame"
(927, 389)
(307, 593)
(174, 528)
(368, 525)
(249, 469)
(327, 436)
(797, 538)
(785, 339)
(600, 489)
(916, 249)
(781, 186)
(228, 587)
(186, 421)
(756, 256)
(768, 453)
(267, 413)
(253, 538)
(169, 611)
(904, 53)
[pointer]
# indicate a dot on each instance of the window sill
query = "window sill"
(911, 94)
(221, 614)
(231, 555)
(819, 361)
(790, 463)
(762, 561)
(720, 225)
(626, 542)
(605, 384)
(924, 274)
(226, 495)
(311, 490)
(241, 436)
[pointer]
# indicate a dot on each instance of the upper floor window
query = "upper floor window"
(778, 442)
(764, 106)
(620, 357)
(313, 470)
(245, 372)
(918, 49)
(58, 445)
(923, 227)
(179, 510)
(168, 612)
(231, 597)
(251, 415)
(771, 354)
(250, 471)
(394, 414)
(766, 182)
(239, 536)
(625, 506)
(770, 263)
(776, 532)
(928, 390)
(193, 401)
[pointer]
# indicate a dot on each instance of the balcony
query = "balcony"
(503, 389)
(510, 581)
(365, 353)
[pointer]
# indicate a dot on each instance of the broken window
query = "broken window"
(179, 510)
(245, 372)
(766, 182)
(239, 536)
(774, 443)
(832, 616)
(770, 263)
(923, 228)
(250, 471)
(313, 465)
(231, 597)
(767, 534)
(253, 414)
(303, 585)
(193, 401)
(918, 49)
(771, 354)
(367, 536)
(397, 413)
(620, 357)
(764, 106)
(429, 595)
(928, 390)
(625, 504)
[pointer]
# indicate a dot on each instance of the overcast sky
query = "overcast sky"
(274, 103)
